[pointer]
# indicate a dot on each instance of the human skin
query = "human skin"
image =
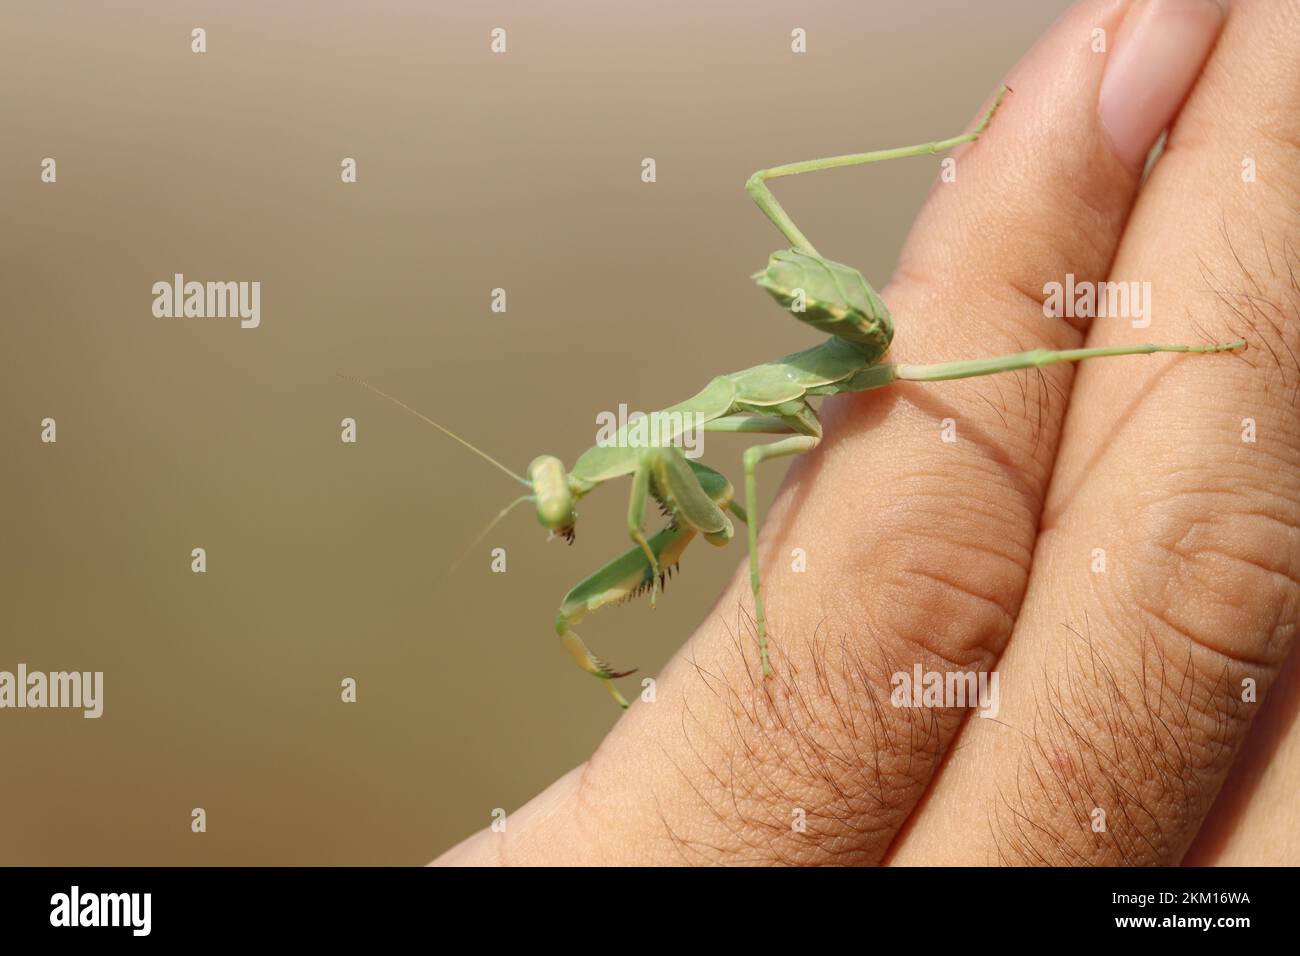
(1121, 689)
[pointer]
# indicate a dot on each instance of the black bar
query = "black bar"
(209, 905)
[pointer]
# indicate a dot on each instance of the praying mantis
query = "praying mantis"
(768, 399)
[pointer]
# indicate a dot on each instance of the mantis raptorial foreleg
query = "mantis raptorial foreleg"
(698, 495)
(690, 504)
(665, 471)
(590, 663)
(636, 521)
(780, 218)
(620, 580)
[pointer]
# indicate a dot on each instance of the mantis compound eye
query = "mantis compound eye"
(554, 499)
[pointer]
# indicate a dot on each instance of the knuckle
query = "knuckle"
(1217, 569)
(823, 737)
(948, 596)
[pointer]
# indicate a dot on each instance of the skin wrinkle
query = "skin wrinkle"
(921, 649)
(1210, 550)
(962, 589)
(1164, 589)
(1160, 616)
(584, 809)
(1018, 294)
(1220, 528)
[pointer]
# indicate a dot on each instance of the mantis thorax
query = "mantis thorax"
(831, 297)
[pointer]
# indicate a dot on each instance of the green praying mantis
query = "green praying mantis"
(768, 399)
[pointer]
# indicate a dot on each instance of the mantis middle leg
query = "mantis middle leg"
(795, 417)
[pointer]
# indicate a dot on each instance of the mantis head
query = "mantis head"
(553, 490)
(554, 495)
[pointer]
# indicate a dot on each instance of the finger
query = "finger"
(917, 549)
(1255, 821)
(1164, 594)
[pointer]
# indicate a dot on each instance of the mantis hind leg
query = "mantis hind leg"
(947, 371)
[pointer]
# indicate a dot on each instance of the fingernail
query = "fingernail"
(1153, 63)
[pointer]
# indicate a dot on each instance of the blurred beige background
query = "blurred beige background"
(475, 171)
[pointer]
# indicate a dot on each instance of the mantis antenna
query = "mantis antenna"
(442, 428)
(486, 531)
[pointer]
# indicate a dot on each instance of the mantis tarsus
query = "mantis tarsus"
(767, 399)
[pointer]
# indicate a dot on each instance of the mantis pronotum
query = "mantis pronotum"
(768, 399)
